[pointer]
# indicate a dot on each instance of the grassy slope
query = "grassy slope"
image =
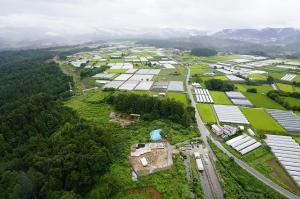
(262, 101)
(206, 113)
(219, 97)
(262, 121)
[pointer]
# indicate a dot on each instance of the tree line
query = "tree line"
(152, 108)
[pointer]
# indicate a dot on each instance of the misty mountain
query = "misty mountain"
(279, 36)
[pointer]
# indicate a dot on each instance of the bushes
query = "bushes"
(219, 85)
(252, 90)
(87, 72)
(152, 108)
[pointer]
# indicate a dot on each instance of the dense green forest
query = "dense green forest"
(152, 108)
(47, 150)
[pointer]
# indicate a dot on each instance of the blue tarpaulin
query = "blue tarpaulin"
(155, 135)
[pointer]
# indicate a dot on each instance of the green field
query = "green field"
(260, 89)
(285, 87)
(258, 77)
(262, 121)
(116, 70)
(219, 97)
(292, 101)
(181, 97)
(297, 139)
(221, 77)
(206, 113)
(262, 101)
(200, 69)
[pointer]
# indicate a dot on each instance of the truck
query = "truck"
(198, 161)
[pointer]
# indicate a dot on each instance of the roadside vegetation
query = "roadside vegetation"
(238, 183)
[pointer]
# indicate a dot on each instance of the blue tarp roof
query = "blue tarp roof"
(155, 135)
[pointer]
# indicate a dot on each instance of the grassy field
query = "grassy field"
(116, 70)
(258, 77)
(219, 97)
(236, 182)
(285, 87)
(176, 74)
(206, 113)
(297, 139)
(90, 108)
(181, 97)
(200, 69)
(260, 89)
(221, 77)
(262, 121)
(292, 101)
(262, 101)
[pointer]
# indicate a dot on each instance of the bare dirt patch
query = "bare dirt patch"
(149, 190)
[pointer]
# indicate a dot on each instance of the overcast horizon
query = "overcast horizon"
(77, 17)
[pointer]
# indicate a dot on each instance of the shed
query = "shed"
(155, 135)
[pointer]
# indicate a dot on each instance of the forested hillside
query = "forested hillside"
(47, 151)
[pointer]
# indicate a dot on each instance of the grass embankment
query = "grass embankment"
(206, 113)
(220, 97)
(262, 121)
(262, 101)
(238, 183)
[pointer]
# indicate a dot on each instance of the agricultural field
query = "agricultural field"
(285, 87)
(263, 89)
(258, 77)
(221, 77)
(116, 70)
(262, 121)
(200, 69)
(292, 101)
(220, 97)
(89, 107)
(206, 113)
(262, 101)
(297, 139)
(176, 74)
(181, 97)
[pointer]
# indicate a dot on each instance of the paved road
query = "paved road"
(205, 133)
(210, 171)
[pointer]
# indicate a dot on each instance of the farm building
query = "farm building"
(243, 144)
(287, 151)
(230, 114)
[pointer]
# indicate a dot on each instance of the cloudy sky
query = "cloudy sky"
(56, 17)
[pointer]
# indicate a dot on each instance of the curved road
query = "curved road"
(205, 133)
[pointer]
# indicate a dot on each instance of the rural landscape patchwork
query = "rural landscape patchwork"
(165, 115)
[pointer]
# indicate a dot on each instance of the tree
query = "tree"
(270, 80)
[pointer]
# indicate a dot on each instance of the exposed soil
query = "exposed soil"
(150, 190)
